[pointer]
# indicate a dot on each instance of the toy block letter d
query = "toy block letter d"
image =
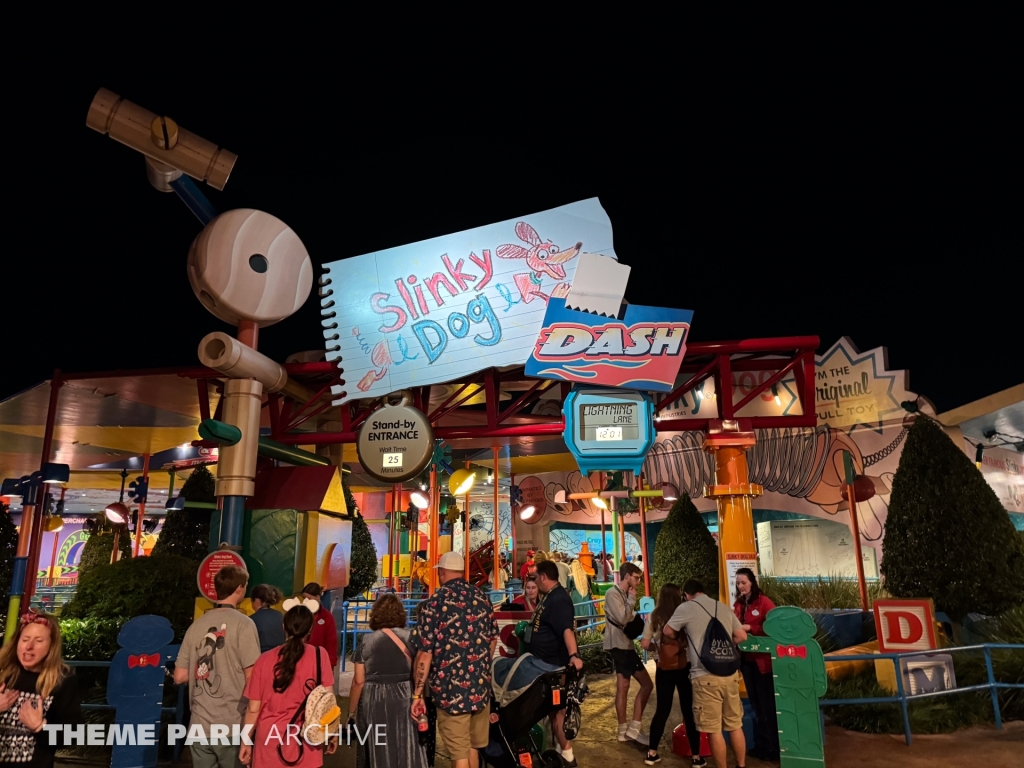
(902, 627)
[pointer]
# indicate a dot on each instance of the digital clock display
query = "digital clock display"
(603, 422)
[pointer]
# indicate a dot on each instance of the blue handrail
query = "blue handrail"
(902, 697)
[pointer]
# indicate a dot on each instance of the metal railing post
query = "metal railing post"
(344, 633)
(992, 688)
(903, 701)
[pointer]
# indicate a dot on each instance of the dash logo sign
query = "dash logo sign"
(905, 625)
(643, 350)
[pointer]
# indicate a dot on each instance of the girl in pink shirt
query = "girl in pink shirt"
(280, 682)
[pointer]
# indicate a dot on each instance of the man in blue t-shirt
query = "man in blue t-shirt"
(552, 638)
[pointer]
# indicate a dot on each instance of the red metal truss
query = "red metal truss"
(717, 360)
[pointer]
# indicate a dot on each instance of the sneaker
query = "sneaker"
(699, 762)
(622, 732)
(635, 734)
(569, 763)
(652, 758)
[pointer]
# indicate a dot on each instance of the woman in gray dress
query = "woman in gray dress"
(382, 689)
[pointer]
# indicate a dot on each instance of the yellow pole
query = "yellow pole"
(734, 493)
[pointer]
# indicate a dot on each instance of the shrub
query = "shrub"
(822, 593)
(685, 549)
(99, 546)
(164, 585)
(90, 639)
(363, 570)
(947, 536)
(186, 532)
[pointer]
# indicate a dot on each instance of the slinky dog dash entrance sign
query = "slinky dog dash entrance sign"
(395, 443)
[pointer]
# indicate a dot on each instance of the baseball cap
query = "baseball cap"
(529, 553)
(451, 561)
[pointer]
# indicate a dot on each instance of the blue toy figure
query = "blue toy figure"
(136, 684)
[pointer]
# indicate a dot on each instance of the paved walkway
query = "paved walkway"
(598, 747)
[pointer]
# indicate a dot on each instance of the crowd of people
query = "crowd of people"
(432, 679)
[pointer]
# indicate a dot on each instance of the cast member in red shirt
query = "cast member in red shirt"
(752, 607)
(325, 631)
(525, 570)
(529, 598)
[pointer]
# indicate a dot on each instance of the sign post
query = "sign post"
(851, 476)
(209, 567)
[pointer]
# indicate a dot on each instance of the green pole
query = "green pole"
(616, 549)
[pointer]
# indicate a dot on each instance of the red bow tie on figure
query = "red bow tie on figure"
(784, 651)
(142, 660)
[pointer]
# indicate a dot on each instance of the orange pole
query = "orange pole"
(851, 477)
(855, 528)
(393, 547)
(514, 508)
(497, 522)
(734, 493)
(643, 536)
(141, 511)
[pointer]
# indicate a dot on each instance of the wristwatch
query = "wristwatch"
(575, 656)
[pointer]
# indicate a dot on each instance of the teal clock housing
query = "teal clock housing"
(608, 430)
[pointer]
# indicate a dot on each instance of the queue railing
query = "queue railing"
(903, 698)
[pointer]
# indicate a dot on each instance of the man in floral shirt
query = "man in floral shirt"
(455, 637)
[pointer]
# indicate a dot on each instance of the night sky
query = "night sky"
(883, 210)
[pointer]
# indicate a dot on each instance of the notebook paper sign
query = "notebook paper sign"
(445, 308)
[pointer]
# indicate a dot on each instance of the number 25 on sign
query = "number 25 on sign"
(392, 460)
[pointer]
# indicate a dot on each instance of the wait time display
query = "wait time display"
(608, 430)
(607, 422)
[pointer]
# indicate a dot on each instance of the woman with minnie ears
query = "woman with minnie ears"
(36, 688)
(751, 608)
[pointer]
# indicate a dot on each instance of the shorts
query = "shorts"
(626, 661)
(462, 733)
(716, 703)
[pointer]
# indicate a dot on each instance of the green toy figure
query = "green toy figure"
(799, 669)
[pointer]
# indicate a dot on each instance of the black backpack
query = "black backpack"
(719, 654)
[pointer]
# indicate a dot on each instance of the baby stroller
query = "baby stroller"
(519, 709)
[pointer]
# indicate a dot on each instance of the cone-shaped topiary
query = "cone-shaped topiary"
(947, 536)
(186, 532)
(363, 571)
(100, 545)
(685, 549)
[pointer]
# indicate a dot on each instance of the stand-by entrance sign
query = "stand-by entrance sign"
(208, 569)
(395, 443)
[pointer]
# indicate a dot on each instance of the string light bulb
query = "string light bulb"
(775, 391)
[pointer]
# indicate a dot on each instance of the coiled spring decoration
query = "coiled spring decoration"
(789, 460)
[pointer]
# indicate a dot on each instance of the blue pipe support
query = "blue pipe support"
(194, 199)
(992, 689)
(18, 576)
(232, 515)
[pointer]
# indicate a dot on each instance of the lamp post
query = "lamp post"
(22, 580)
